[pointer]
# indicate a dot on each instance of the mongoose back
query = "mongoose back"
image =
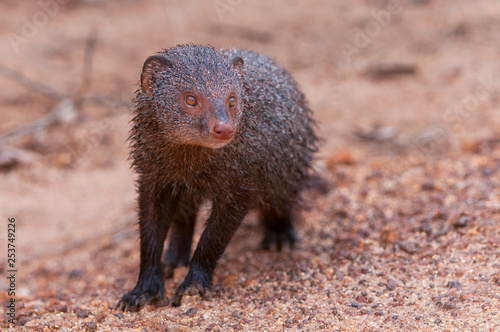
(226, 126)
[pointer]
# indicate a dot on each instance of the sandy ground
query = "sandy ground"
(407, 97)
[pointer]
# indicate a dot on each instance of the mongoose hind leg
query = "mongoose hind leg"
(178, 252)
(278, 228)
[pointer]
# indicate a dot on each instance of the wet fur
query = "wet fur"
(265, 166)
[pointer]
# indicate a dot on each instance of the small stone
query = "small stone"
(76, 273)
(408, 246)
(90, 326)
(428, 185)
(449, 305)
(82, 313)
(391, 285)
(388, 234)
(462, 221)
(342, 156)
(454, 284)
(237, 314)
(191, 312)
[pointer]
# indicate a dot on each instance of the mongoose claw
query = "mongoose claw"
(278, 238)
(191, 286)
(134, 301)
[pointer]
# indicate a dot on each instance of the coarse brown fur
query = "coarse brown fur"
(252, 151)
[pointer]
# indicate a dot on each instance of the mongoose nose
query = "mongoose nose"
(223, 131)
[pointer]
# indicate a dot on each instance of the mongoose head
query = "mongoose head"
(195, 93)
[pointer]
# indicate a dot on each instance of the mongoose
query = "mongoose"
(227, 126)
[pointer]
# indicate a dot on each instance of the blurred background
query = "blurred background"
(389, 81)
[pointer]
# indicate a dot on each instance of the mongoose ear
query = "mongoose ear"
(150, 67)
(238, 62)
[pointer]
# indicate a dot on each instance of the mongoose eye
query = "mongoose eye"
(232, 102)
(191, 101)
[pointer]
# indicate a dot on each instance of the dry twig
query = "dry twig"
(64, 111)
(86, 80)
(66, 108)
(29, 83)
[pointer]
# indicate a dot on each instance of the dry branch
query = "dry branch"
(66, 108)
(64, 111)
(86, 80)
(29, 83)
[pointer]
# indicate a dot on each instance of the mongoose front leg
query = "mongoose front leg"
(221, 226)
(155, 212)
(180, 239)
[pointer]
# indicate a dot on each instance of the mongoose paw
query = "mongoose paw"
(134, 300)
(195, 284)
(194, 289)
(278, 238)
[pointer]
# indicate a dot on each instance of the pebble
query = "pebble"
(90, 326)
(191, 312)
(237, 313)
(462, 221)
(408, 246)
(391, 285)
(428, 185)
(454, 284)
(82, 313)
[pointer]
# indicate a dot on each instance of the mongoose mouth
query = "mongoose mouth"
(216, 143)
